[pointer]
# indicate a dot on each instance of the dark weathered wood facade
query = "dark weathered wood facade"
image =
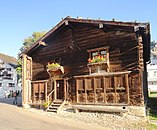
(68, 43)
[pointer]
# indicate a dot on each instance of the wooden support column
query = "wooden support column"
(33, 92)
(24, 82)
(127, 87)
(85, 85)
(45, 91)
(39, 88)
(94, 90)
(104, 87)
(77, 94)
(55, 90)
(115, 86)
(65, 89)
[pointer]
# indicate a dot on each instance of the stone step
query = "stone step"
(52, 110)
(54, 106)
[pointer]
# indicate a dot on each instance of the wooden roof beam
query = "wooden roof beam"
(101, 25)
(66, 22)
(42, 43)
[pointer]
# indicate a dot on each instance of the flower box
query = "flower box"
(55, 69)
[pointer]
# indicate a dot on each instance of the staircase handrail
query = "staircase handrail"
(48, 97)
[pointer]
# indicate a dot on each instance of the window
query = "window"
(98, 55)
(7, 76)
(0, 85)
(94, 54)
(11, 85)
(155, 73)
(98, 61)
(8, 69)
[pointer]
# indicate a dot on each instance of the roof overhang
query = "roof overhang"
(100, 23)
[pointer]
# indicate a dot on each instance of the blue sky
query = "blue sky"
(20, 18)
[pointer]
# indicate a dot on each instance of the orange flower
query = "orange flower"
(89, 60)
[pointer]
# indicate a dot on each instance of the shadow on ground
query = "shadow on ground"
(10, 101)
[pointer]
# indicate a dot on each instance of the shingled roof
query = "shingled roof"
(8, 59)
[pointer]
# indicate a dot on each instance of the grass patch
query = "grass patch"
(152, 127)
(153, 116)
(153, 92)
(152, 111)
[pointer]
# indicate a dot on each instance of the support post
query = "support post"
(65, 89)
(45, 91)
(55, 89)
(24, 82)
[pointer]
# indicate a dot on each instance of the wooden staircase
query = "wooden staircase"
(55, 106)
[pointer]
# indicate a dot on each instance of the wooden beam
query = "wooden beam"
(55, 89)
(85, 85)
(118, 109)
(25, 89)
(65, 89)
(115, 86)
(94, 90)
(127, 87)
(104, 86)
(66, 22)
(42, 43)
(77, 94)
(39, 88)
(45, 91)
(101, 25)
(33, 92)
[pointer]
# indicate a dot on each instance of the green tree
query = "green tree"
(28, 42)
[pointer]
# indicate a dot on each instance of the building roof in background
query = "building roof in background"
(8, 59)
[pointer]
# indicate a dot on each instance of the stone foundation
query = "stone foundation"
(137, 110)
(123, 110)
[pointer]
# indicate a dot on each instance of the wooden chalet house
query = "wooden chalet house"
(101, 65)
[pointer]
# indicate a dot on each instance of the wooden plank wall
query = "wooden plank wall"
(123, 50)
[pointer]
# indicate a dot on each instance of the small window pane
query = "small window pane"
(94, 54)
(103, 52)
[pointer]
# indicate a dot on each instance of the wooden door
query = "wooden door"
(60, 89)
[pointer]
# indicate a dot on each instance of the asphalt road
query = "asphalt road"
(14, 118)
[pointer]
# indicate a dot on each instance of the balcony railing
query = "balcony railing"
(104, 88)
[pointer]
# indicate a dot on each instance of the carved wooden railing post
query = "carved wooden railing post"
(48, 96)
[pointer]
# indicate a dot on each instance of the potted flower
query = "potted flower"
(97, 59)
(45, 105)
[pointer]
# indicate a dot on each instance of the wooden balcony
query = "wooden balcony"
(103, 88)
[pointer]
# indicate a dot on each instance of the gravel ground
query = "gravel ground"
(113, 121)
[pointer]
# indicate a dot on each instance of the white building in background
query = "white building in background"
(152, 71)
(8, 75)
(152, 77)
(153, 55)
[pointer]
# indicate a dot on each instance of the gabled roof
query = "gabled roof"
(68, 19)
(8, 59)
